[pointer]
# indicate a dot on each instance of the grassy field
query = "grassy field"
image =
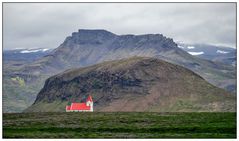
(119, 125)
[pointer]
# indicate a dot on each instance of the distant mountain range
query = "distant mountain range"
(27, 55)
(89, 47)
(18, 57)
(134, 84)
(214, 53)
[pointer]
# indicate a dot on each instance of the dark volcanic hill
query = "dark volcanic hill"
(134, 84)
(89, 47)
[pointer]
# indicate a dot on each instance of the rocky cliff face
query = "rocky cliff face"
(134, 84)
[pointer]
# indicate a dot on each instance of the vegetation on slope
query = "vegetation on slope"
(17, 94)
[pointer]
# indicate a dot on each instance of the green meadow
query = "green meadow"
(119, 125)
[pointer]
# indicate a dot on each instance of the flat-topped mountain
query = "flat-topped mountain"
(89, 47)
(134, 84)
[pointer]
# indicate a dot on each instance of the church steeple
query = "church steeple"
(89, 102)
(89, 99)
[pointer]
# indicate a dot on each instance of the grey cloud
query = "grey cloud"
(33, 25)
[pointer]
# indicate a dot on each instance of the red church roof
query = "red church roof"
(79, 106)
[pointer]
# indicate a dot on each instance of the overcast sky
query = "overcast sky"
(46, 25)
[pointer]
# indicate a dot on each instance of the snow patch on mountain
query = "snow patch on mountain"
(222, 52)
(191, 47)
(196, 53)
(180, 46)
(33, 50)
